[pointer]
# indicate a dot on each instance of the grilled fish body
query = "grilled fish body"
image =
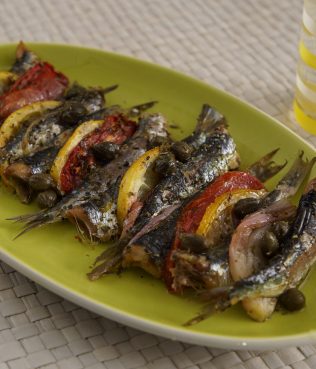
(41, 133)
(210, 268)
(214, 153)
(92, 206)
(286, 270)
(33, 149)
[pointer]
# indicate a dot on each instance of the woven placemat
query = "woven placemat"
(246, 47)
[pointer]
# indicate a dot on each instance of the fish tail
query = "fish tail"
(32, 221)
(297, 173)
(210, 119)
(218, 299)
(109, 261)
(139, 109)
(106, 90)
(266, 168)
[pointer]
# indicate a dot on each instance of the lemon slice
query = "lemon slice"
(15, 120)
(217, 212)
(61, 159)
(137, 181)
(6, 78)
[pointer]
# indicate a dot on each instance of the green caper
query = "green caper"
(292, 299)
(41, 182)
(245, 206)
(269, 244)
(72, 112)
(46, 199)
(182, 150)
(193, 242)
(165, 164)
(105, 150)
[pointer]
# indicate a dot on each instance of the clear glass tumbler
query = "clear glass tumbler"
(305, 95)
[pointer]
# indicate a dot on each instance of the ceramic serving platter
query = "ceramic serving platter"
(55, 259)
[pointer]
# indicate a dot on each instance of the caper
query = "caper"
(72, 112)
(182, 150)
(192, 242)
(245, 206)
(292, 299)
(165, 164)
(105, 150)
(269, 244)
(46, 199)
(40, 182)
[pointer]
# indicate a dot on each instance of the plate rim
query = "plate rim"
(133, 320)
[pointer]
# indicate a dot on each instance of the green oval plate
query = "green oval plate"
(52, 257)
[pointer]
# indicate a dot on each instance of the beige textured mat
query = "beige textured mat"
(247, 47)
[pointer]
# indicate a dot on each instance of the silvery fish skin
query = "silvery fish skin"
(215, 153)
(91, 206)
(202, 169)
(286, 270)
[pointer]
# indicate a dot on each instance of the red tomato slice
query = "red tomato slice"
(41, 82)
(192, 214)
(116, 129)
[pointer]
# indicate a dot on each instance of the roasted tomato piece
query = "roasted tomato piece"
(41, 82)
(193, 213)
(116, 129)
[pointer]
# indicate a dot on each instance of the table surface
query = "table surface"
(246, 47)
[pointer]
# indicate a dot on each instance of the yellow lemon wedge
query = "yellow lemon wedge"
(137, 181)
(217, 213)
(16, 119)
(61, 159)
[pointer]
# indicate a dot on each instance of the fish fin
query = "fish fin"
(136, 110)
(266, 168)
(218, 299)
(210, 119)
(29, 227)
(111, 260)
(300, 169)
(289, 185)
(106, 90)
(26, 217)
(35, 220)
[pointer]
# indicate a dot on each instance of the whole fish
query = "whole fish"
(214, 153)
(92, 206)
(209, 268)
(286, 270)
